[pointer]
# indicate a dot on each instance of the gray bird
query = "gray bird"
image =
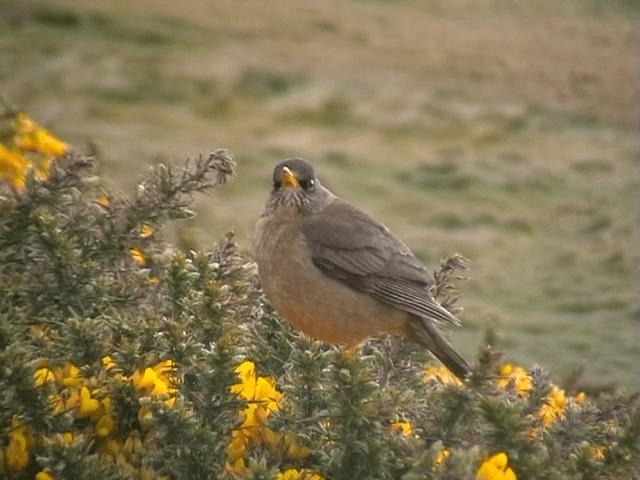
(340, 276)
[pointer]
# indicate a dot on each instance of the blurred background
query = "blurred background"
(502, 130)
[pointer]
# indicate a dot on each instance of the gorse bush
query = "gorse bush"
(124, 358)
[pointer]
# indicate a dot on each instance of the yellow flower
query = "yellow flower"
(580, 398)
(105, 426)
(441, 375)
(133, 443)
(266, 392)
(263, 399)
(145, 231)
(13, 167)
(44, 475)
(42, 376)
(57, 403)
(441, 458)
(166, 368)
(107, 362)
(598, 452)
(293, 474)
(144, 379)
(17, 452)
(246, 369)
(138, 257)
(247, 373)
(495, 468)
(517, 376)
(88, 405)
(157, 380)
(66, 438)
(68, 375)
(237, 467)
(103, 201)
(403, 428)
(237, 446)
(31, 137)
(255, 388)
(554, 406)
(289, 446)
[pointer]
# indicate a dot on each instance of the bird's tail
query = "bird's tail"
(426, 333)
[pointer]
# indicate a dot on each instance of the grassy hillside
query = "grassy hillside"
(503, 132)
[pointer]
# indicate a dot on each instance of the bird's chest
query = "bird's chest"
(288, 276)
(312, 302)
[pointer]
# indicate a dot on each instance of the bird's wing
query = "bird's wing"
(349, 246)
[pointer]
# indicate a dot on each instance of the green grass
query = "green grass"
(464, 129)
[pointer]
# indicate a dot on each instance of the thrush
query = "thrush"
(340, 276)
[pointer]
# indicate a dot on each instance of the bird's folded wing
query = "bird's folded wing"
(349, 246)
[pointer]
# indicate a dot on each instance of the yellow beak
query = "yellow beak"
(289, 179)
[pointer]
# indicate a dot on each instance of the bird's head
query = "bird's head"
(296, 190)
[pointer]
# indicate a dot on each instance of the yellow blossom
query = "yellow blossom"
(246, 370)
(554, 406)
(580, 398)
(13, 167)
(66, 438)
(38, 331)
(166, 370)
(57, 403)
(42, 376)
(293, 474)
(107, 362)
(441, 458)
(265, 391)
(137, 256)
(68, 375)
(160, 388)
(88, 405)
(17, 452)
(263, 398)
(236, 467)
(144, 379)
(441, 375)
(44, 475)
(495, 468)
(31, 137)
(289, 446)
(105, 426)
(133, 443)
(517, 376)
(237, 446)
(403, 428)
(598, 452)
(157, 380)
(145, 231)
(72, 400)
(255, 388)
(103, 201)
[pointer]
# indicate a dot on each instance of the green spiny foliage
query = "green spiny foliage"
(87, 280)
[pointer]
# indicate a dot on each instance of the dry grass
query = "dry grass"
(503, 132)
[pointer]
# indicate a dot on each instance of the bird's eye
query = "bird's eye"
(277, 185)
(307, 184)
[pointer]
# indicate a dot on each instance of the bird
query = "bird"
(339, 275)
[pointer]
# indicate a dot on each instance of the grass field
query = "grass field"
(505, 131)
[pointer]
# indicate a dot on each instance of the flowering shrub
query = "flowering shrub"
(123, 358)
